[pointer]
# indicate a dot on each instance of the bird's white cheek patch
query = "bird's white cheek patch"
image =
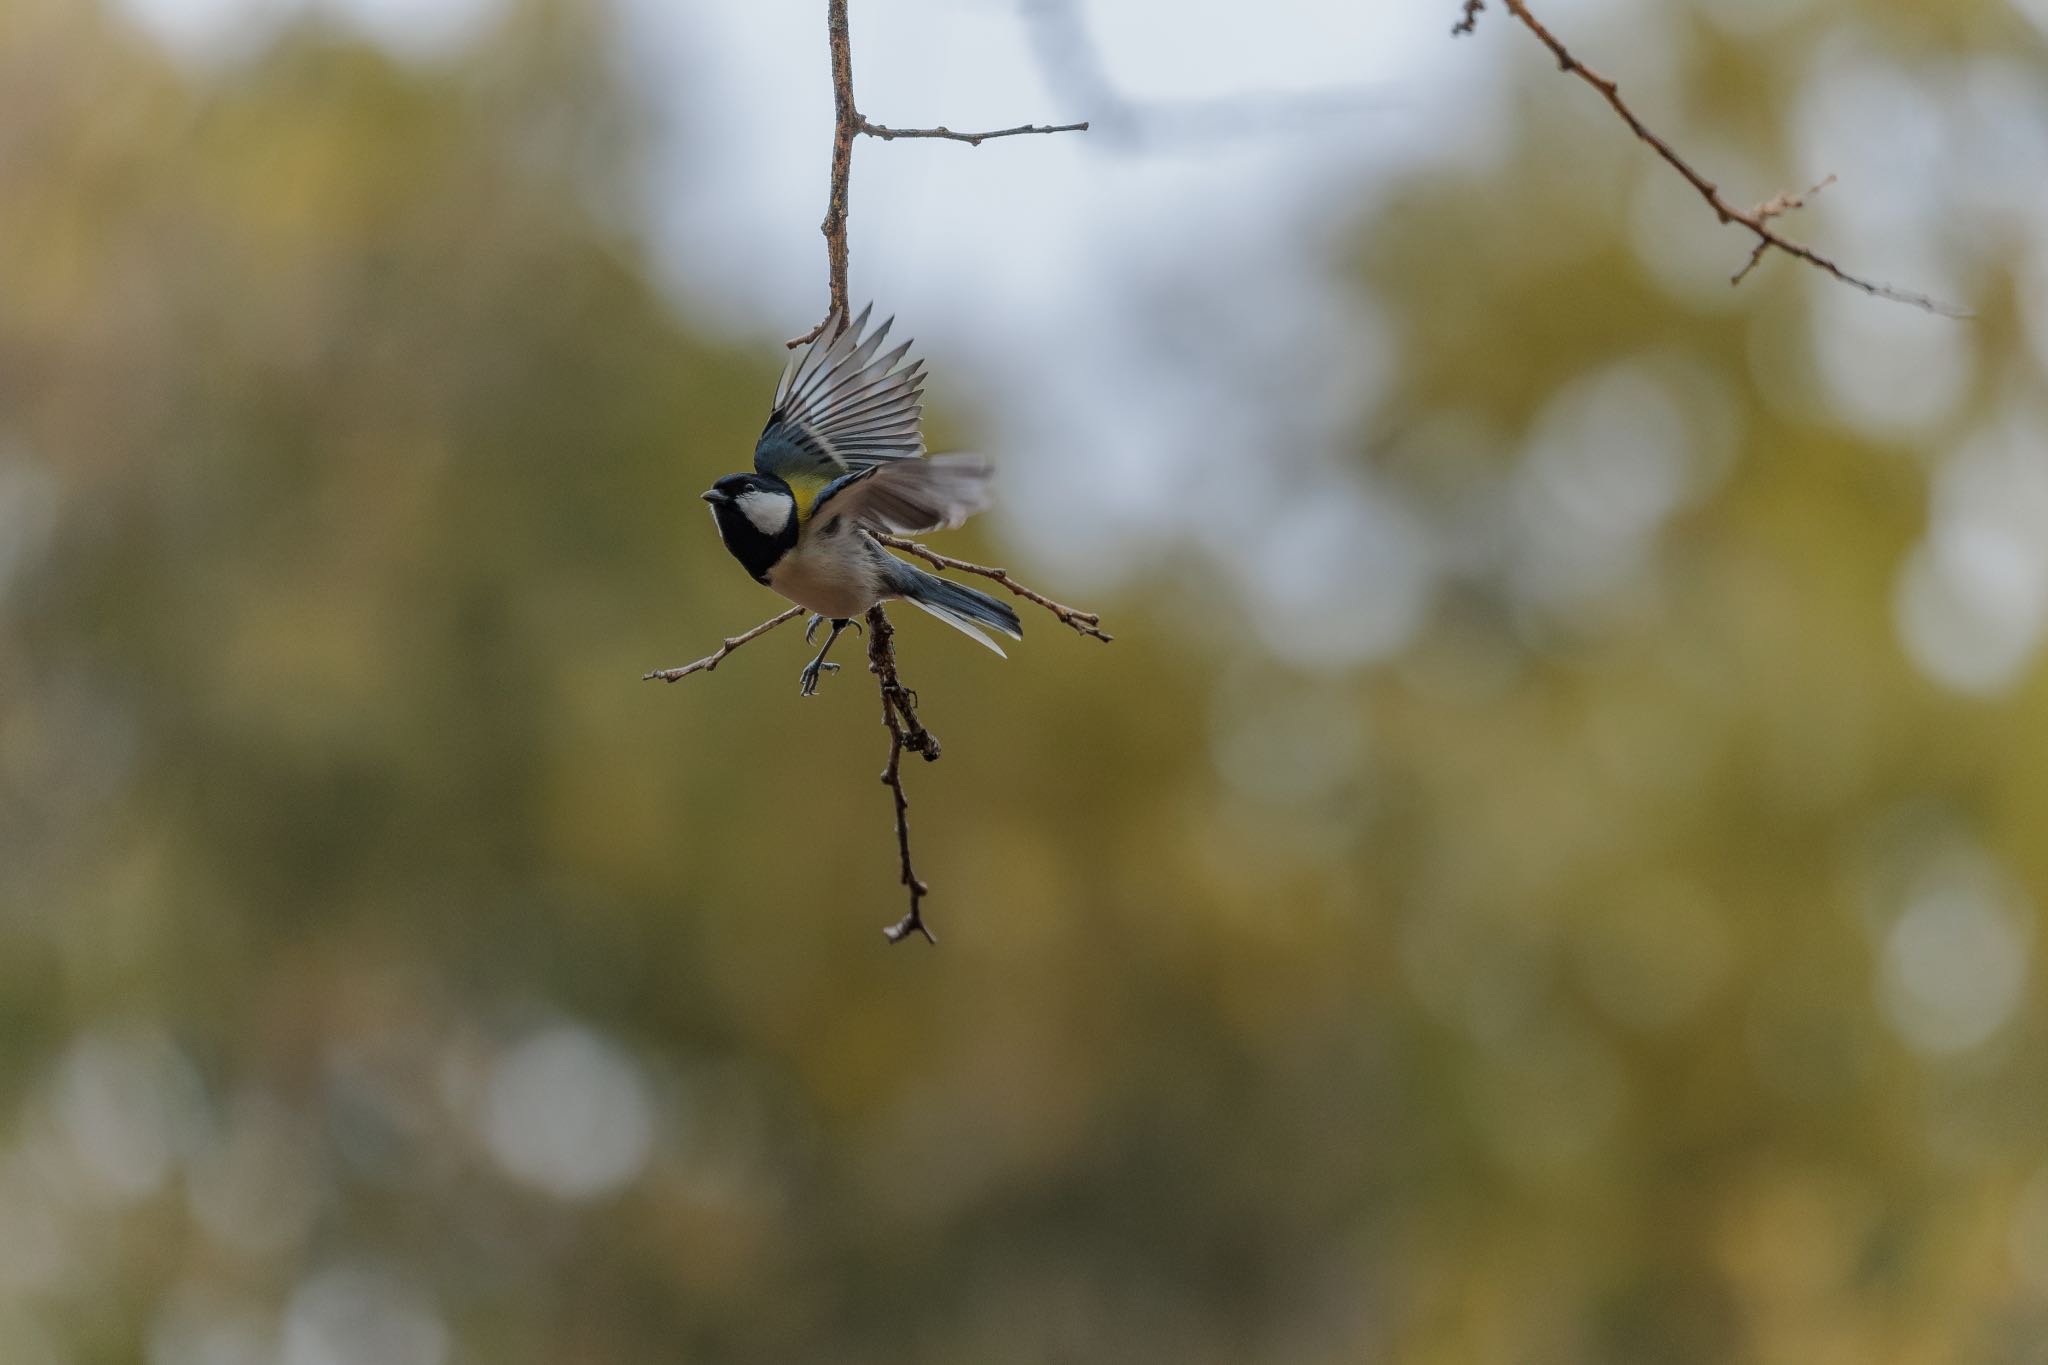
(768, 511)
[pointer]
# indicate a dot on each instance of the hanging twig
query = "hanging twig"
(846, 123)
(906, 731)
(899, 703)
(1757, 220)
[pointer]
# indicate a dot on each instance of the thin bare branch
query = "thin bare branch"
(1756, 254)
(846, 125)
(906, 731)
(1776, 206)
(1756, 220)
(1786, 202)
(971, 139)
(1082, 622)
(899, 703)
(711, 661)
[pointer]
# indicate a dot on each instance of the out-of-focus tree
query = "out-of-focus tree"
(1636, 964)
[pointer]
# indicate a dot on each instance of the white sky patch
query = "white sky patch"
(418, 29)
(567, 1111)
(1345, 577)
(1953, 933)
(362, 1317)
(1894, 373)
(1609, 459)
(946, 230)
(2036, 12)
(1881, 130)
(1972, 599)
(1954, 970)
(209, 32)
(127, 1105)
(1969, 609)
(1996, 109)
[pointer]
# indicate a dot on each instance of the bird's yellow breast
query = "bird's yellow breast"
(806, 488)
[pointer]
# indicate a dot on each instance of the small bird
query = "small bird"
(840, 461)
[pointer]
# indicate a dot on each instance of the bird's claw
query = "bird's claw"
(819, 619)
(808, 679)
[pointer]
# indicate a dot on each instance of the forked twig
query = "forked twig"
(848, 123)
(1757, 220)
(1776, 205)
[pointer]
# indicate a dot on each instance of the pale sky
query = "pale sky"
(1026, 263)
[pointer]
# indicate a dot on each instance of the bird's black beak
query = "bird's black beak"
(712, 495)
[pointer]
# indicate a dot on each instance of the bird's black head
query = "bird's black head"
(756, 518)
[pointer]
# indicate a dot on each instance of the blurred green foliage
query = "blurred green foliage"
(1539, 995)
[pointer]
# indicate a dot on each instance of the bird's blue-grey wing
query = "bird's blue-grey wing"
(910, 497)
(843, 405)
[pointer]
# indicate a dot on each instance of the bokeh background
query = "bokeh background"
(1549, 871)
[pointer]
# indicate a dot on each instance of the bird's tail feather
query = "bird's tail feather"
(958, 606)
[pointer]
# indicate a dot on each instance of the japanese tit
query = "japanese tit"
(841, 460)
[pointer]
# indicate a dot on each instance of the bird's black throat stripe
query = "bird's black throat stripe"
(755, 549)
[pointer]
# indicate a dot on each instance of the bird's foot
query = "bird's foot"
(808, 679)
(818, 665)
(811, 626)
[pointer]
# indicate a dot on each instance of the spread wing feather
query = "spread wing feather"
(911, 497)
(843, 406)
